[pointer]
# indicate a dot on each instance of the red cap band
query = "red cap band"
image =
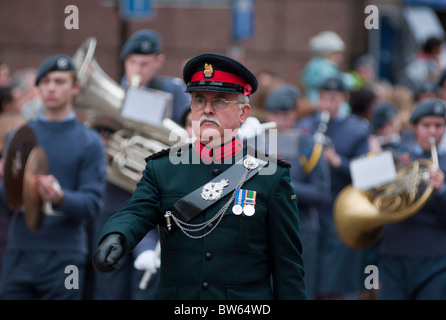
(222, 76)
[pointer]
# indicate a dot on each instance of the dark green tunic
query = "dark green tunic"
(244, 257)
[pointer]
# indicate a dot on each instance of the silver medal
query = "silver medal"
(237, 209)
(250, 163)
(248, 210)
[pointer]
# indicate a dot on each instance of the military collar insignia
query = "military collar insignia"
(208, 71)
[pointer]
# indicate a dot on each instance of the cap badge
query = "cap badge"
(145, 46)
(62, 63)
(438, 108)
(208, 70)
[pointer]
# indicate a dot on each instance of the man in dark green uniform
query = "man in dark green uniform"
(227, 214)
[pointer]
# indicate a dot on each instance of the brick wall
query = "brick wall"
(34, 29)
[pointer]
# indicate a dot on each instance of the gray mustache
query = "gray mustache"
(207, 118)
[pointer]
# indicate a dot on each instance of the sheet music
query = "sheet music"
(371, 171)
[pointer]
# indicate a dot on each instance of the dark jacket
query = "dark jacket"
(244, 257)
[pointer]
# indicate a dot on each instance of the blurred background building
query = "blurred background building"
(270, 35)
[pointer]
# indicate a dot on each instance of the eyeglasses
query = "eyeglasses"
(199, 103)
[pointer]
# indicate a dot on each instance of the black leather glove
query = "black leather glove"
(108, 253)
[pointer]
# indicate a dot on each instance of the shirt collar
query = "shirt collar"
(69, 117)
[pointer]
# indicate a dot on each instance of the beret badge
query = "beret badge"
(62, 63)
(438, 109)
(146, 46)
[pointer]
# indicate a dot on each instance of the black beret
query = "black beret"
(428, 107)
(333, 83)
(142, 42)
(382, 113)
(55, 63)
(283, 98)
(218, 73)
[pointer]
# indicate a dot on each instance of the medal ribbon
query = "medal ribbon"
(244, 196)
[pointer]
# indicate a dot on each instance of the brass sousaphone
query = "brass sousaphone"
(359, 216)
(100, 104)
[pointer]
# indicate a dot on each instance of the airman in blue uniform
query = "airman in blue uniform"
(311, 181)
(344, 137)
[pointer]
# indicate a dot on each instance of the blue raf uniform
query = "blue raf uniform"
(148, 42)
(34, 266)
(413, 261)
(311, 182)
(340, 268)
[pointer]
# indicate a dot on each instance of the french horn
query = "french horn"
(100, 103)
(360, 215)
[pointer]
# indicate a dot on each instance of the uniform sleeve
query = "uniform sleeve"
(86, 201)
(140, 214)
(285, 243)
(312, 188)
(149, 242)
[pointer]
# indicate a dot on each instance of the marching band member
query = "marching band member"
(413, 251)
(312, 185)
(229, 217)
(34, 266)
(341, 269)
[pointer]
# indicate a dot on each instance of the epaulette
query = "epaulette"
(157, 155)
(267, 157)
(166, 151)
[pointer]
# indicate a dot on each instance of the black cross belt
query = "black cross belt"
(191, 205)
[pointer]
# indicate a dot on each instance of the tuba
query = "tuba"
(359, 216)
(100, 104)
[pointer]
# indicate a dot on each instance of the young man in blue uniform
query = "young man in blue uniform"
(34, 266)
(310, 180)
(413, 251)
(229, 219)
(143, 57)
(344, 137)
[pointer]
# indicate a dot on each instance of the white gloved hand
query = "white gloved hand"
(147, 260)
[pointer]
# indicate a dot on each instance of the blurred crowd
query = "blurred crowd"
(379, 115)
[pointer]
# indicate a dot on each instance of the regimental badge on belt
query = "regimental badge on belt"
(244, 202)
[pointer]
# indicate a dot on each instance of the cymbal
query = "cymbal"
(36, 165)
(17, 149)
